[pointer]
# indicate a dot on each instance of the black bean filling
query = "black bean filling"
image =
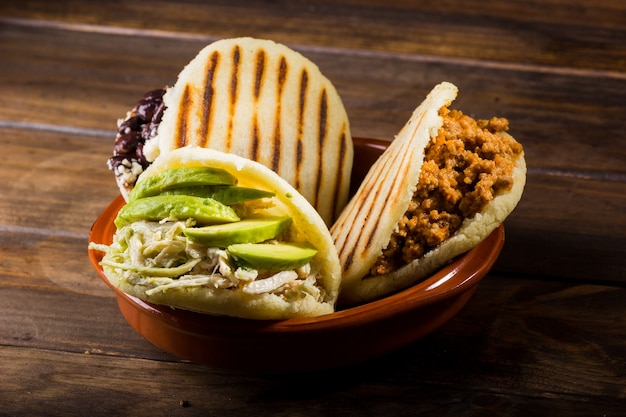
(140, 125)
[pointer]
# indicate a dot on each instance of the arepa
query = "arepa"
(159, 261)
(266, 102)
(415, 211)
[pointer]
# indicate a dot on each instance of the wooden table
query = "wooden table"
(544, 334)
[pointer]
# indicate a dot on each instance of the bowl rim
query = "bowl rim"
(478, 261)
(458, 276)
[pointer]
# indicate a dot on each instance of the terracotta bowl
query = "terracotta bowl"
(345, 337)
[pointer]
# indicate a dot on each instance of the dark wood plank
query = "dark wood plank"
(54, 183)
(80, 80)
(546, 335)
(567, 123)
(558, 226)
(53, 187)
(518, 342)
(69, 318)
(60, 384)
(561, 33)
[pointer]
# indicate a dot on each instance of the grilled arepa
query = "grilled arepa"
(442, 186)
(256, 99)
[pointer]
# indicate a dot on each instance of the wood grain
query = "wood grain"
(544, 334)
(566, 122)
(543, 353)
(554, 33)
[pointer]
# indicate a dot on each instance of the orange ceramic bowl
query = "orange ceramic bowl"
(345, 337)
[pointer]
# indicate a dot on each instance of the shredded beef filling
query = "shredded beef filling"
(465, 167)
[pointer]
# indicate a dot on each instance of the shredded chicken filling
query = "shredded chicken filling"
(465, 167)
(158, 255)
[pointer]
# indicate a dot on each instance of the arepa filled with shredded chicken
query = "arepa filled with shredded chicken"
(216, 233)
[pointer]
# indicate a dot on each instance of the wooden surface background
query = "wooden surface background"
(544, 334)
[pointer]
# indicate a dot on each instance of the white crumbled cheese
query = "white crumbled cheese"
(128, 171)
(151, 149)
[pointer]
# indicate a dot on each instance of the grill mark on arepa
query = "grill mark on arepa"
(403, 153)
(259, 74)
(259, 71)
(304, 83)
(371, 195)
(283, 68)
(234, 82)
(321, 140)
(339, 179)
(181, 128)
(254, 151)
(207, 98)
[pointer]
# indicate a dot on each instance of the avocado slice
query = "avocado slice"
(250, 230)
(180, 177)
(272, 257)
(181, 207)
(225, 194)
